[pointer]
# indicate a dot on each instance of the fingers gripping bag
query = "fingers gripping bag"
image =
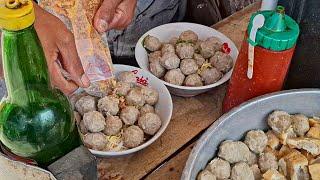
(92, 50)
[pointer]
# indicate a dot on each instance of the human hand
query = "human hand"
(114, 14)
(59, 45)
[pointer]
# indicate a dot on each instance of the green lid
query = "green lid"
(279, 32)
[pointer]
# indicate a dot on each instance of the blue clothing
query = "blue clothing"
(149, 14)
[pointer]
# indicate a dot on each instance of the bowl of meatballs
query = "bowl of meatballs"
(133, 113)
(188, 58)
(280, 139)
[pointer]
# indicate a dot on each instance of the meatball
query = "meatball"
(135, 97)
(129, 115)
(193, 80)
(174, 41)
(210, 75)
(256, 140)
(83, 128)
(94, 121)
(223, 62)
(147, 109)
(113, 125)
(209, 47)
(151, 96)
(167, 48)
(170, 61)
(206, 175)
(132, 136)
(85, 104)
(256, 172)
(109, 105)
(123, 88)
(267, 161)
(189, 36)
(150, 123)
(154, 56)
(174, 76)
(253, 159)
(188, 66)
(151, 43)
(96, 141)
(279, 121)
(220, 168)
(185, 50)
(241, 171)
(157, 69)
(300, 124)
(127, 77)
(199, 59)
(197, 46)
(234, 151)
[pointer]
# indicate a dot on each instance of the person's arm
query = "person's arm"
(59, 45)
(114, 14)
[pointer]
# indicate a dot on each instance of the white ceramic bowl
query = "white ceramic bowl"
(168, 31)
(163, 108)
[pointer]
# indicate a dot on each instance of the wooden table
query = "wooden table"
(165, 158)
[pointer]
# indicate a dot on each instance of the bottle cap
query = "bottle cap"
(16, 15)
(280, 32)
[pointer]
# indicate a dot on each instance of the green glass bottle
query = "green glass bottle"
(36, 121)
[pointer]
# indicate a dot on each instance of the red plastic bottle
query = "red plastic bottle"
(274, 45)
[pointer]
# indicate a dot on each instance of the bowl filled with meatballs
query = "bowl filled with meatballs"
(188, 58)
(133, 113)
(279, 139)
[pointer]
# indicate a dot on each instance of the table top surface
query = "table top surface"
(165, 158)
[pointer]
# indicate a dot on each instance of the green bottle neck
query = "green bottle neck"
(24, 64)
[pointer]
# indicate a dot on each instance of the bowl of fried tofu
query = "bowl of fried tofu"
(275, 136)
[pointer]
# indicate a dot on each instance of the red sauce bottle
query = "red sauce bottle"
(272, 49)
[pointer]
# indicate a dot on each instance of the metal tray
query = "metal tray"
(247, 116)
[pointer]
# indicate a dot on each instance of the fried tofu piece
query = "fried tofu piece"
(315, 121)
(273, 174)
(289, 133)
(273, 140)
(315, 161)
(285, 150)
(314, 132)
(311, 145)
(308, 155)
(294, 165)
(314, 170)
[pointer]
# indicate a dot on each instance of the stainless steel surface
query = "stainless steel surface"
(249, 115)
